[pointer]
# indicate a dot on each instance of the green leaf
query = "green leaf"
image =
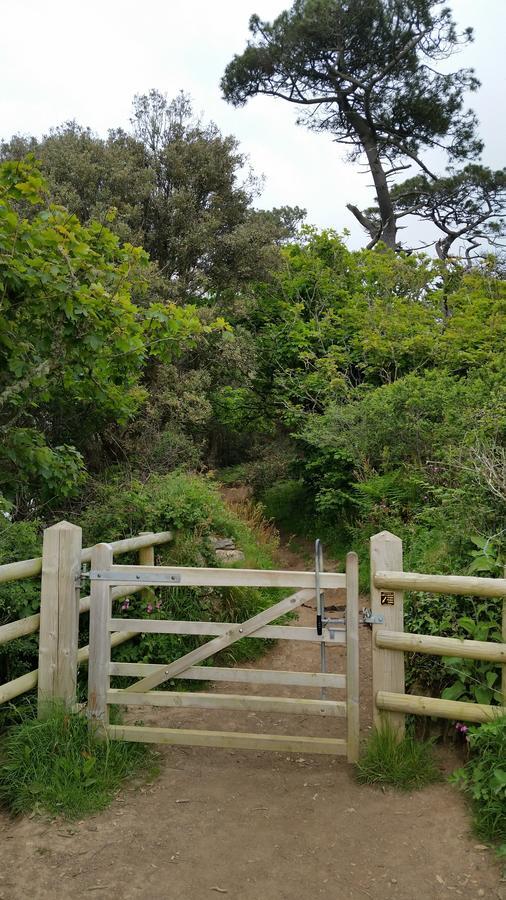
(482, 694)
(454, 691)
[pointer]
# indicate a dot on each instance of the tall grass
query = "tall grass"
(55, 766)
(405, 764)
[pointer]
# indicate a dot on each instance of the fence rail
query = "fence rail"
(390, 641)
(100, 695)
(61, 608)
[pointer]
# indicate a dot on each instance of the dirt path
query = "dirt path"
(256, 826)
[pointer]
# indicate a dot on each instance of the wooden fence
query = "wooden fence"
(60, 607)
(61, 604)
(390, 642)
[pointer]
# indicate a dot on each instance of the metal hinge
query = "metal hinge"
(370, 618)
(119, 576)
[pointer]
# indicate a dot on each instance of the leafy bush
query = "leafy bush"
(121, 507)
(55, 766)
(192, 507)
(404, 764)
(483, 778)
(18, 540)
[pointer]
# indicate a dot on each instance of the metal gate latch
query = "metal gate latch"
(370, 618)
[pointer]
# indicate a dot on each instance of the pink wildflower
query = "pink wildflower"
(158, 604)
(149, 608)
(125, 605)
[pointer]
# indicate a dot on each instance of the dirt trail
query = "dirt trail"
(256, 826)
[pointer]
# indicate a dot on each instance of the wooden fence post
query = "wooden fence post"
(100, 640)
(387, 665)
(59, 615)
(147, 558)
(352, 659)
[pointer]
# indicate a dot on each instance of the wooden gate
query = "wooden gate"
(104, 575)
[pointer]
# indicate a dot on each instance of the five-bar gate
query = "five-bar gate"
(104, 575)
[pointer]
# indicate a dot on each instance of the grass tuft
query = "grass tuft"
(407, 764)
(55, 766)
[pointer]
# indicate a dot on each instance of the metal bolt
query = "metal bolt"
(240, 630)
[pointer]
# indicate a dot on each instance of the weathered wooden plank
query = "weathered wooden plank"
(27, 682)
(237, 676)
(100, 643)
(218, 577)
(28, 568)
(59, 615)
(352, 659)
(189, 699)
(229, 740)
(441, 646)
(467, 585)
(387, 666)
(235, 633)
(272, 632)
(443, 709)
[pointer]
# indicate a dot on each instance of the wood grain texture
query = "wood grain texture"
(443, 709)
(239, 676)
(236, 633)
(387, 666)
(100, 643)
(441, 646)
(59, 616)
(272, 632)
(190, 700)
(468, 585)
(218, 577)
(352, 659)
(28, 568)
(229, 740)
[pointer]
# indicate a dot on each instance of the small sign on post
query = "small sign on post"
(387, 665)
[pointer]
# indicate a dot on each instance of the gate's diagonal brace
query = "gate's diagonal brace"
(241, 630)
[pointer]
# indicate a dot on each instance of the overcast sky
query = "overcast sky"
(62, 59)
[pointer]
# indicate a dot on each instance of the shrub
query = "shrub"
(192, 507)
(483, 778)
(55, 766)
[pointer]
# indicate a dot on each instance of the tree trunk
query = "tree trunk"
(367, 138)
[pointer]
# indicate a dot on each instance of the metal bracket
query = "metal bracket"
(370, 618)
(119, 576)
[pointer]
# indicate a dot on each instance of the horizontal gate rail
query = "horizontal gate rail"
(273, 632)
(236, 633)
(240, 676)
(186, 699)
(196, 577)
(100, 696)
(229, 740)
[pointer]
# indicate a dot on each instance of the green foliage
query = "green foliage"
(55, 766)
(191, 506)
(18, 540)
(174, 185)
(405, 764)
(477, 681)
(483, 778)
(366, 73)
(73, 343)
